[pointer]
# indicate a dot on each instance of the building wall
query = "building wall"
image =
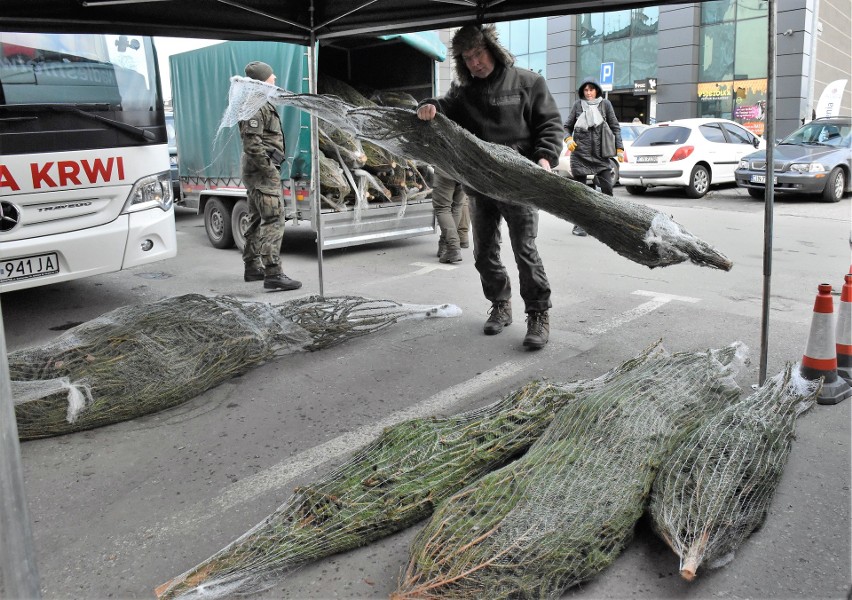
(677, 62)
(833, 56)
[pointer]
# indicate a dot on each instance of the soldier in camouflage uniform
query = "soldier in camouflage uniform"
(263, 153)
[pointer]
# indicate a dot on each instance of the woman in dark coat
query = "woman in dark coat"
(584, 124)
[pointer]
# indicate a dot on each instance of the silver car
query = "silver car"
(814, 159)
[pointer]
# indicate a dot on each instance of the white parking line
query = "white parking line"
(658, 299)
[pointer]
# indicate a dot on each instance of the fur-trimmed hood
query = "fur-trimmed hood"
(473, 36)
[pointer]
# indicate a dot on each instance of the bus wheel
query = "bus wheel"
(217, 223)
(240, 223)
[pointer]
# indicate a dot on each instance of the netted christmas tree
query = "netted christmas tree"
(715, 488)
(140, 359)
(566, 509)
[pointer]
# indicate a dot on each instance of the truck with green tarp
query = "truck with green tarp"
(209, 159)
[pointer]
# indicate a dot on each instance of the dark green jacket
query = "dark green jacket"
(511, 107)
(262, 137)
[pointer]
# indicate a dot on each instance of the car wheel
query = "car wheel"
(635, 190)
(835, 185)
(240, 223)
(754, 193)
(699, 182)
(217, 223)
(614, 168)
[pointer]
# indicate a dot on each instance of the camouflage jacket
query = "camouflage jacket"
(262, 138)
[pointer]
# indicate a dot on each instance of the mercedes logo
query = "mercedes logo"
(10, 216)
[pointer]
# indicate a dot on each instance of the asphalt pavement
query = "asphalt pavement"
(119, 510)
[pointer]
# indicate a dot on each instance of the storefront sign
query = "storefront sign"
(644, 87)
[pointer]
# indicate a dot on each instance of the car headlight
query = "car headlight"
(150, 191)
(807, 168)
(743, 164)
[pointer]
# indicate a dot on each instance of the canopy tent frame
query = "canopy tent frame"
(292, 21)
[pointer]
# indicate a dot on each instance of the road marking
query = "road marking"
(277, 475)
(658, 299)
(424, 268)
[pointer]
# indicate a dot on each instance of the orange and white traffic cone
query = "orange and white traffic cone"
(820, 358)
(844, 330)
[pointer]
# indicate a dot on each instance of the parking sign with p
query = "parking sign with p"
(607, 76)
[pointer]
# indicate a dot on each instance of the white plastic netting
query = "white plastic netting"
(413, 467)
(390, 484)
(637, 232)
(567, 508)
(135, 360)
(715, 489)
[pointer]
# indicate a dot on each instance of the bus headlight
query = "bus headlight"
(151, 191)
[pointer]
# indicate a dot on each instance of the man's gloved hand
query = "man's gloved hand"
(619, 153)
(572, 145)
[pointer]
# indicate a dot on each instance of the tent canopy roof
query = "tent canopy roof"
(281, 20)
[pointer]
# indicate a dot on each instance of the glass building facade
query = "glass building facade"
(527, 40)
(627, 38)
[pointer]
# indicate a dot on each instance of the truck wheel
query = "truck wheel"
(239, 223)
(835, 186)
(217, 223)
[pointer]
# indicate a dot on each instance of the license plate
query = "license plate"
(28, 267)
(647, 159)
(762, 179)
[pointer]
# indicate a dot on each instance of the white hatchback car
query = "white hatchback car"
(689, 153)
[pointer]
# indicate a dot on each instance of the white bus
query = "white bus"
(84, 163)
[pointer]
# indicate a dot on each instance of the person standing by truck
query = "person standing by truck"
(263, 153)
(503, 104)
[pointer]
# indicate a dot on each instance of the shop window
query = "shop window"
(645, 20)
(589, 28)
(751, 49)
(717, 52)
(538, 35)
(616, 24)
(589, 59)
(718, 11)
(618, 52)
(643, 57)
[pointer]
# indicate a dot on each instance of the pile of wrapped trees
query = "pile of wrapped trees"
(541, 490)
(354, 172)
(136, 360)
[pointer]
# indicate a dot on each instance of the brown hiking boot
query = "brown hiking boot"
(280, 282)
(499, 316)
(538, 330)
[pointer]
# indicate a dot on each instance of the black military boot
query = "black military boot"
(442, 246)
(538, 330)
(280, 282)
(499, 316)
(253, 273)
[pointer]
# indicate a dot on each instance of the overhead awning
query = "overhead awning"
(427, 42)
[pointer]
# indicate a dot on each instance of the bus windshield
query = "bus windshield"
(112, 70)
(62, 92)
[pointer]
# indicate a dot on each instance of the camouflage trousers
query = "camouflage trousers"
(264, 233)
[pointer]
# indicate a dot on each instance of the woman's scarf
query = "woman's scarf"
(591, 115)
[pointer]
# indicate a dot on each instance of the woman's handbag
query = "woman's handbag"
(608, 149)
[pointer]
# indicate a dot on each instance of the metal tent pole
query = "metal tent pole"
(17, 553)
(313, 51)
(769, 207)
